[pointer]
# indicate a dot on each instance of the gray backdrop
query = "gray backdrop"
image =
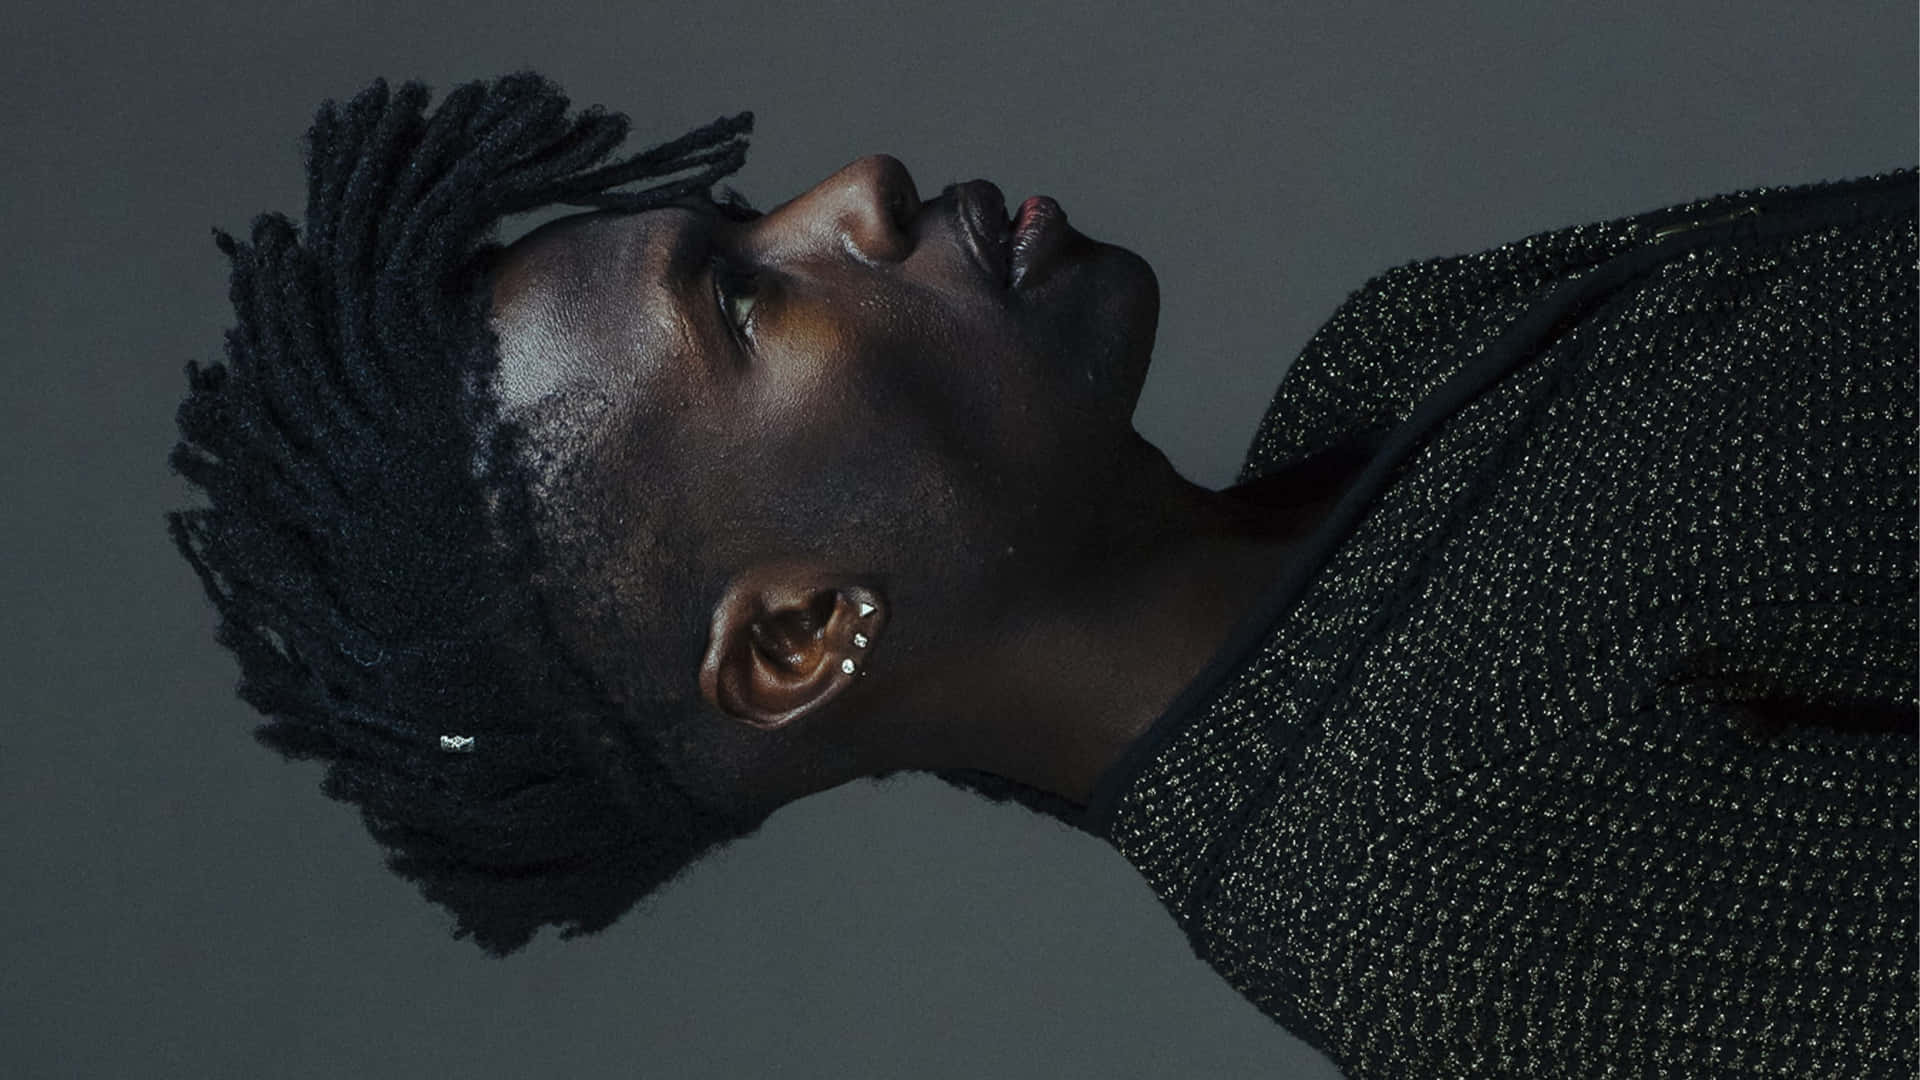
(180, 902)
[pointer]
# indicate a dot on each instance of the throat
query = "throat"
(1279, 517)
(1201, 599)
(1317, 482)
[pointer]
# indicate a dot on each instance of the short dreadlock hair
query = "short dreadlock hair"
(373, 540)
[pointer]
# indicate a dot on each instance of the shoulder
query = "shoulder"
(1406, 330)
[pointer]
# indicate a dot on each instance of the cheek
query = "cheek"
(963, 367)
(805, 363)
(946, 382)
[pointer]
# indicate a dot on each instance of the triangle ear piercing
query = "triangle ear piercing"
(860, 641)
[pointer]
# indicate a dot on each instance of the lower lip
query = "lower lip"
(1039, 231)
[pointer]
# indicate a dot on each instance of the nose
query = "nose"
(869, 203)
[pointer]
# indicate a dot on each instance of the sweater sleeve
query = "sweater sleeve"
(1798, 605)
(1654, 892)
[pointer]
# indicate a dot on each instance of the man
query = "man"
(1500, 721)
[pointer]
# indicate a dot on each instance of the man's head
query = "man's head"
(545, 497)
(772, 421)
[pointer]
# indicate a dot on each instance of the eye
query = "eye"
(733, 290)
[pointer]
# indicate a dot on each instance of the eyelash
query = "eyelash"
(730, 283)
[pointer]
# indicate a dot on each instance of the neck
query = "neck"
(1081, 673)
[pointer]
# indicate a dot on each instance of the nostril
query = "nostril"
(895, 184)
(900, 210)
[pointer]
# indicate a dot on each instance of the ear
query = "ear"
(787, 639)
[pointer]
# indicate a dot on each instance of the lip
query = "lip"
(982, 210)
(1039, 235)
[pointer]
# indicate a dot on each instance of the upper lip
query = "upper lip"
(982, 210)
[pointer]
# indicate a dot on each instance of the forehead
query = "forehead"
(582, 307)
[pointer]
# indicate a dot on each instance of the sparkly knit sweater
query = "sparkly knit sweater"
(1581, 742)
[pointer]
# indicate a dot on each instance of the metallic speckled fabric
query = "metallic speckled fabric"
(1492, 797)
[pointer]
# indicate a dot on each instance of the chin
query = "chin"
(1118, 298)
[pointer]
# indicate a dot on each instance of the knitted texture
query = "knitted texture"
(1590, 750)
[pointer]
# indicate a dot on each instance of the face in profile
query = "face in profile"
(854, 348)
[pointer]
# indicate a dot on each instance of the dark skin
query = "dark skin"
(899, 447)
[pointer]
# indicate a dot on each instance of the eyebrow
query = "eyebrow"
(687, 240)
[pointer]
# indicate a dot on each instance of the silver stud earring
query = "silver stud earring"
(866, 609)
(859, 641)
(846, 666)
